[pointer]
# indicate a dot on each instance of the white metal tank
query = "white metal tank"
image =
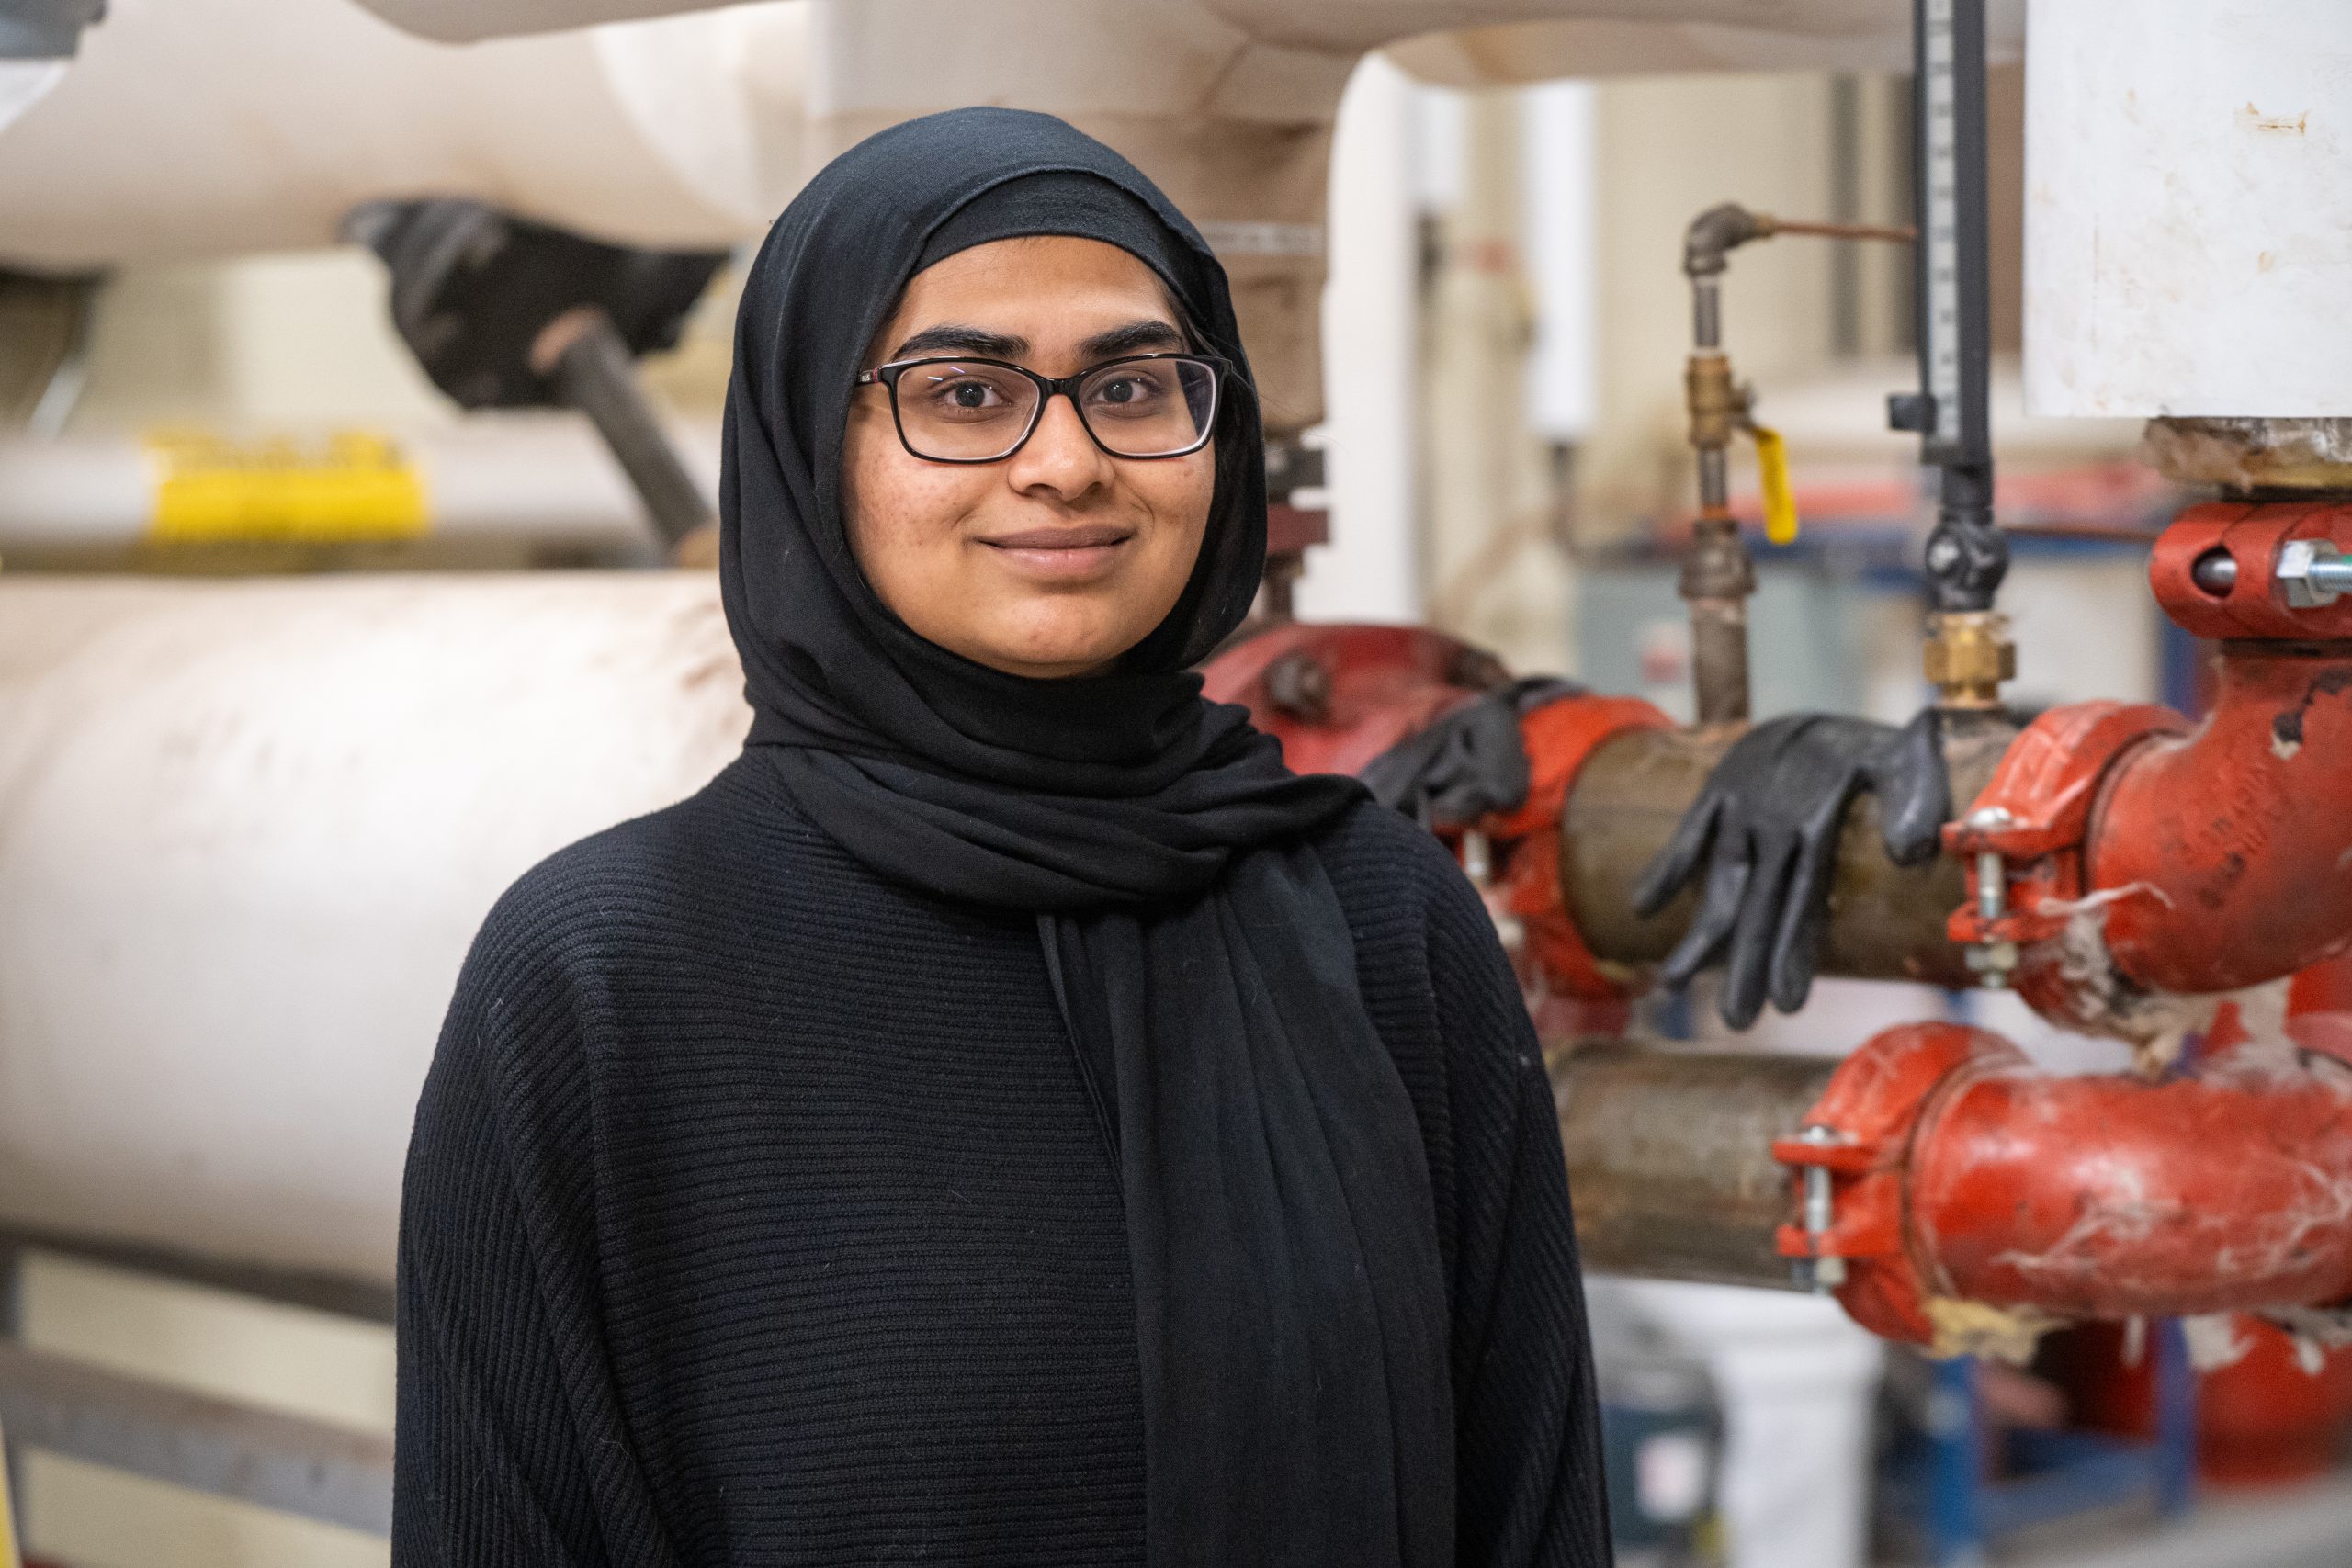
(2189, 207)
(247, 830)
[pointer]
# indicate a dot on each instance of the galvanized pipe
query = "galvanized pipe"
(1670, 1157)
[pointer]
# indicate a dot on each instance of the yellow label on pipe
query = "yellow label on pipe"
(1780, 500)
(351, 486)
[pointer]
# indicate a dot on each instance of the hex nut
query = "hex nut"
(1968, 655)
(2298, 580)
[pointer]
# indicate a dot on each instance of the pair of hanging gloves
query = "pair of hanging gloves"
(1763, 831)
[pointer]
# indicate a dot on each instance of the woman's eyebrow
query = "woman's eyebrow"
(951, 338)
(1134, 337)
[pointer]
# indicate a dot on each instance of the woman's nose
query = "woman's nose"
(1059, 454)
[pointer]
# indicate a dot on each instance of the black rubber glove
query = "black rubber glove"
(1470, 762)
(1766, 828)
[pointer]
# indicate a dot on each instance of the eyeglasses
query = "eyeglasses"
(982, 410)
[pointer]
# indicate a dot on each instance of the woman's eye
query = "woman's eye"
(1127, 394)
(964, 396)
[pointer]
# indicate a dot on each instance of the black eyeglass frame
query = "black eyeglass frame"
(1048, 388)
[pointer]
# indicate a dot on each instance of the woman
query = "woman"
(1005, 1118)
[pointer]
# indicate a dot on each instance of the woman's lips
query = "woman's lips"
(1062, 555)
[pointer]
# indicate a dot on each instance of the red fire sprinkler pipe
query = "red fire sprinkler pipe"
(1959, 1173)
(1337, 696)
(2195, 861)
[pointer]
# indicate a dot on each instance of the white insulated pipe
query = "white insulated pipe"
(189, 128)
(1490, 40)
(543, 480)
(246, 831)
(2188, 208)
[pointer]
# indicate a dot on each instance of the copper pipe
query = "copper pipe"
(1903, 234)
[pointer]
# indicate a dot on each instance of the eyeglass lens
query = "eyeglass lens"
(958, 411)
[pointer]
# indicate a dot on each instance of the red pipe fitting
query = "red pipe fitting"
(1960, 1172)
(1337, 696)
(2230, 849)
(2114, 1197)
(2209, 860)
(1560, 737)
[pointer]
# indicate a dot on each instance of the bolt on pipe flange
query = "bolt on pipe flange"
(2312, 573)
(1825, 1271)
(1992, 960)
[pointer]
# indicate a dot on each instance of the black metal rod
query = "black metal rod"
(596, 375)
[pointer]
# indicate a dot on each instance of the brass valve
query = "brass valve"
(1718, 404)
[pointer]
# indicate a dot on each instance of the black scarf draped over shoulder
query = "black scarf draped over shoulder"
(1290, 1309)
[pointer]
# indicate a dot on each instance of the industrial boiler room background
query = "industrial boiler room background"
(361, 367)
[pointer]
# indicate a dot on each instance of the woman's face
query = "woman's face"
(1057, 559)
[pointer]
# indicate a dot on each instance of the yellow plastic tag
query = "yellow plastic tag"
(353, 485)
(1780, 500)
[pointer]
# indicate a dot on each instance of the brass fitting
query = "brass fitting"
(1968, 655)
(1718, 405)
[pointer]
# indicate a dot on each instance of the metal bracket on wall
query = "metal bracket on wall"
(288, 1462)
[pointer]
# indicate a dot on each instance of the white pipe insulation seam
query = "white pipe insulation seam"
(191, 128)
(246, 831)
(2188, 208)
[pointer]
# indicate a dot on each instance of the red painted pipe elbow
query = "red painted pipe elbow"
(2228, 851)
(2211, 859)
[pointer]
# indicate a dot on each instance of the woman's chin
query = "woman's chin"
(1050, 651)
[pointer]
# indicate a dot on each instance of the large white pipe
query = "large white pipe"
(1370, 569)
(247, 830)
(211, 127)
(2189, 207)
(543, 481)
(1518, 40)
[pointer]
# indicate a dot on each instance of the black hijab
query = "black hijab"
(1290, 1306)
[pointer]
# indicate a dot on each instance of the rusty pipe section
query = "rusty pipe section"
(1959, 1174)
(1670, 1157)
(1887, 922)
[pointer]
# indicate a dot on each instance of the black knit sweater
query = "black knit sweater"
(757, 1213)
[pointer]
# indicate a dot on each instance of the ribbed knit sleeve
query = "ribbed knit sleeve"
(510, 1451)
(1530, 1488)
